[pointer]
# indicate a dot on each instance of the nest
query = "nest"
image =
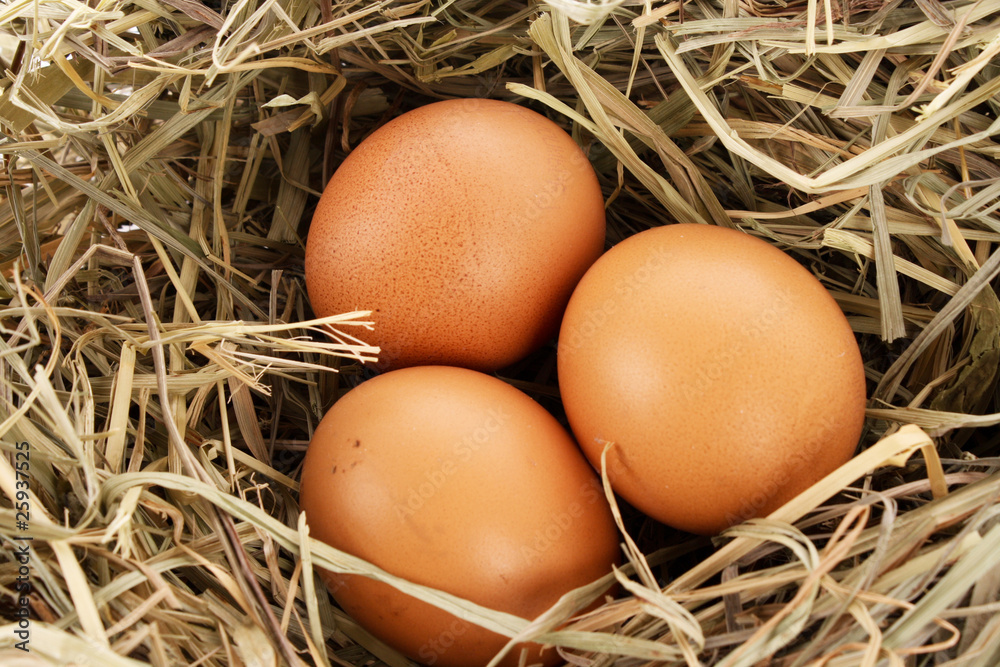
(161, 372)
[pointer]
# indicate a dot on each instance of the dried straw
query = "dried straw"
(158, 356)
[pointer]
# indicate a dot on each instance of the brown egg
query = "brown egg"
(453, 479)
(464, 226)
(724, 373)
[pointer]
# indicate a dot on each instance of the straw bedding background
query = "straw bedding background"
(160, 375)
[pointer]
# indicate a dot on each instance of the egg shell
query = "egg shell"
(724, 373)
(464, 226)
(453, 479)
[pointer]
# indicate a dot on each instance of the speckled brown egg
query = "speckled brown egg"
(455, 480)
(464, 226)
(723, 372)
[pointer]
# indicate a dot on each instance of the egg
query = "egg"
(453, 479)
(463, 225)
(722, 373)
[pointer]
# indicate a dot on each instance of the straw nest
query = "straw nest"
(161, 375)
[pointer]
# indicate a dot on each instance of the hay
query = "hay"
(161, 158)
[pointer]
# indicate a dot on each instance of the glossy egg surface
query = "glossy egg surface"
(464, 226)
(724, 373)
(453, 479)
